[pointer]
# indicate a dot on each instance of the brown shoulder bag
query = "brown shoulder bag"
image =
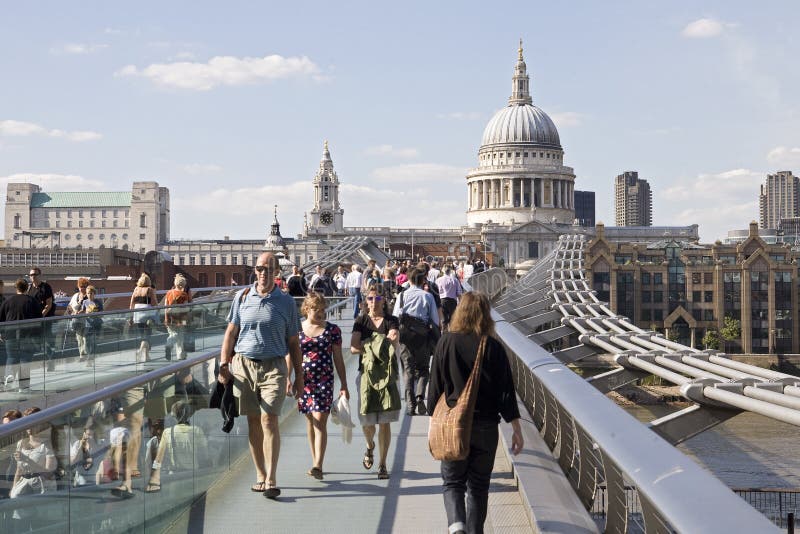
(450, 429)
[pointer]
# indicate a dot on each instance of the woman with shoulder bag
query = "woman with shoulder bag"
(453, 361)
(36, 464)
(143, 296)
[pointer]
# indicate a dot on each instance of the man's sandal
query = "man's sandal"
(368, 461)
(259, 487)
(152, 487)
(272, 492)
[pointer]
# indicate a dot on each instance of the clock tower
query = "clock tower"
(326, 217)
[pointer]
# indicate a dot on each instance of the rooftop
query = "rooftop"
(81, 200)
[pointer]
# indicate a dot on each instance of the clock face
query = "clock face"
(326, 217)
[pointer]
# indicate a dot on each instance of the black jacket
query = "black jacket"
(222, 398)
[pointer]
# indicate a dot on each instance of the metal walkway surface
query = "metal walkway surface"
(350, 499)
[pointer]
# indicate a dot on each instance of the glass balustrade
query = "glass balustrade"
(132, 456)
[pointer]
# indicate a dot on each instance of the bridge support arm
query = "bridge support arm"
(615, 379)
(679, 426)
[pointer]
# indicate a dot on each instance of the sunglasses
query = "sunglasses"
(376, 299)
(33, 274)
(264, 268)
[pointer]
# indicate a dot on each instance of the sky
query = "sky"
(228, 104)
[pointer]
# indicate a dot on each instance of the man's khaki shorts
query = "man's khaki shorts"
(259, 386)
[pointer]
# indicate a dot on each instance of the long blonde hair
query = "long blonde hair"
(473, 315)
(144, 281)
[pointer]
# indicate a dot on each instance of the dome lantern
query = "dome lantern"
(520, 88)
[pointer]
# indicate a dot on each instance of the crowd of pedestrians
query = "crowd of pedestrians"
(413, 321)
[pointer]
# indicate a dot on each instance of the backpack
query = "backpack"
(324, 285)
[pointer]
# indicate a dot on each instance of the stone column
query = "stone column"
(479, 192)
(693, 337)
(557, 194)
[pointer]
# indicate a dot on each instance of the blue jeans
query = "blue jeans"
(355, 292)
(470, 477)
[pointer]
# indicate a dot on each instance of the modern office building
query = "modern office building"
(779, 199)
(136, 220)
(633, 201)
(685, 289)
(584, 208)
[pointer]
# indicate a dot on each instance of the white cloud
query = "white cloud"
(461, 115)
(53, 181)
(374, 206)
(201, 168)
(416, 173)
(718, 202)
(13, 128)
(703, 29)
(389, 150)
(77, 48)
(225, 70)
(567, 119)
(784, 157)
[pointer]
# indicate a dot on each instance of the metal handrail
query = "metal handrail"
(668, 480)
(9, 430)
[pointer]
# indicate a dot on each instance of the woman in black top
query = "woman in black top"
(376, 320)
(452, 364)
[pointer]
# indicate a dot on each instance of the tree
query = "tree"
(731, 329)
(712, 339)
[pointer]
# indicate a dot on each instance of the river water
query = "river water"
(747, 451)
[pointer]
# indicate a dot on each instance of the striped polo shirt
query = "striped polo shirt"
(265, 323)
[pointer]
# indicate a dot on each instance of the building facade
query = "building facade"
(779, 199)
(327, 215)
(137, 220)
(584, 208)
(633, 201)
(686, 289)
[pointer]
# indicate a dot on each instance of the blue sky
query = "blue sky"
(228, 104)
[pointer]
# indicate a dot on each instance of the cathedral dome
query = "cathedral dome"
(521, 123)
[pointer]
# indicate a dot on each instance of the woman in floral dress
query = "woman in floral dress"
(321, 343)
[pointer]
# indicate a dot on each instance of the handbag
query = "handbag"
(450, 429)
(415, 332)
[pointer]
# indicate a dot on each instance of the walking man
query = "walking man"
(415, 305)
(259, 349)
(19, 341)
(449, 291)
(354, 288)
(43, 294)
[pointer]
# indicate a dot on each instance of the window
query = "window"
(646, 296)
(90, 237)
(533, 249)
(102, 236)
(219, 279)
(696, 277)
(708, 296)
(192, 260)
(142, 237)
(202, 279)
(180, 260)
(17, 221)
(103, 213)
(103, 223)
(69, 224)
(708, 315)
(658, 278)
(116, 223)
(69, 214)
(142, 220)
(202, 260)
(646, 315)
(213, 260)
(223, 259)
(234, 259)
(658, 315)
(658, 296)
(91, 213)
(517, 154)
(78, 237)
(708, 278)
(646, 279)
(125, 236)
(80, 224)
(91, 223)
(525, 154)
(116, 213)
(80, 214)
(696, 296)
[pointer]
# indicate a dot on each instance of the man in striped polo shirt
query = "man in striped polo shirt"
(260, 347)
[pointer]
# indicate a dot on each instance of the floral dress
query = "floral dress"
(318, 369)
